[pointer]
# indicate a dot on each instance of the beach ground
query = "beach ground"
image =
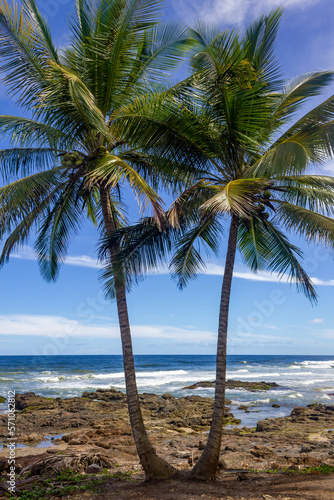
(257, 486)
(282, 458)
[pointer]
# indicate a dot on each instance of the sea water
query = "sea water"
(302, 380)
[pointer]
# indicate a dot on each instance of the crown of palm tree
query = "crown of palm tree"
(72, 143)
(234, 117)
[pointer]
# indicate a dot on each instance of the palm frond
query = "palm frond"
(24, 56)
(187, 260)
(20, 234)
(260, 46)
(282, 259)
(25, 131)
(143, 248)
(21, 196)
(291, 156)
(78, 109)
(301, 89)
(314, 192)
(61, 222)
(112, 170)
(264, 246)
(313, 226)
(253, 243)
(24, 160)
(237, 196)
(41, 27)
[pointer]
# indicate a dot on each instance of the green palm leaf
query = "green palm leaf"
(313, 226)
(187, 260)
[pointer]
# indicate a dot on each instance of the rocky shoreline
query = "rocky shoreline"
(98, 423)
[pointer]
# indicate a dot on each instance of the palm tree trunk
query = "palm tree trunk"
(154, 466)
(206, 466)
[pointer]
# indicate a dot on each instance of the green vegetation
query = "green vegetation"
(2, 400)
(321, 469)
(68, 482)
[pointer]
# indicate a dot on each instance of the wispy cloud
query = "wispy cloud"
(232, 11)
(317, 320)
(27, 253)
(329, 168)
(265, 276)
(210, 269)
(60, 326)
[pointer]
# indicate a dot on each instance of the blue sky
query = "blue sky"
(267, 316)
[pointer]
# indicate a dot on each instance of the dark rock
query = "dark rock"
(93, 469)
(167, 396)
(105, 395)
(201, 445)
(301, 419)
(238, 384)
(243, 476)
(102, 444)
(262, 452)
(275, 405)
(30, 399)
(230, 448)
(193, 459)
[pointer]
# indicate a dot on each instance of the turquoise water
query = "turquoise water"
(302, 379)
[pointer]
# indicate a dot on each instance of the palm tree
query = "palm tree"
(69, 158)
(233, 116)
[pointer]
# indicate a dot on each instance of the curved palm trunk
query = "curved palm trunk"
(154, 466)
(206, 466)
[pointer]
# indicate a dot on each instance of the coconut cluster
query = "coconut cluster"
(72, 160)
(262, 207)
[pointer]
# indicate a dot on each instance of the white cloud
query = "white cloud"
(27, 253)
(210, 269)
(271, 327)
(59, 326)
(317, 320)
(232, 11)
(266, 276)
(329, 168)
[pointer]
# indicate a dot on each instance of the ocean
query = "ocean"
(302, 379)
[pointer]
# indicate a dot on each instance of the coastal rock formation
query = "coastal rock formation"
(101, 415)
(238, 384)
(98, 423)
(301, 419)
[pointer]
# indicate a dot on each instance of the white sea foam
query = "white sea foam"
(161, 376)
(296, 395)
(256, 375)
(299, 374)
(318, 364)
(301, 382)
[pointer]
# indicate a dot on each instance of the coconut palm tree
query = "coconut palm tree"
(237, 123)
(69, 159)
